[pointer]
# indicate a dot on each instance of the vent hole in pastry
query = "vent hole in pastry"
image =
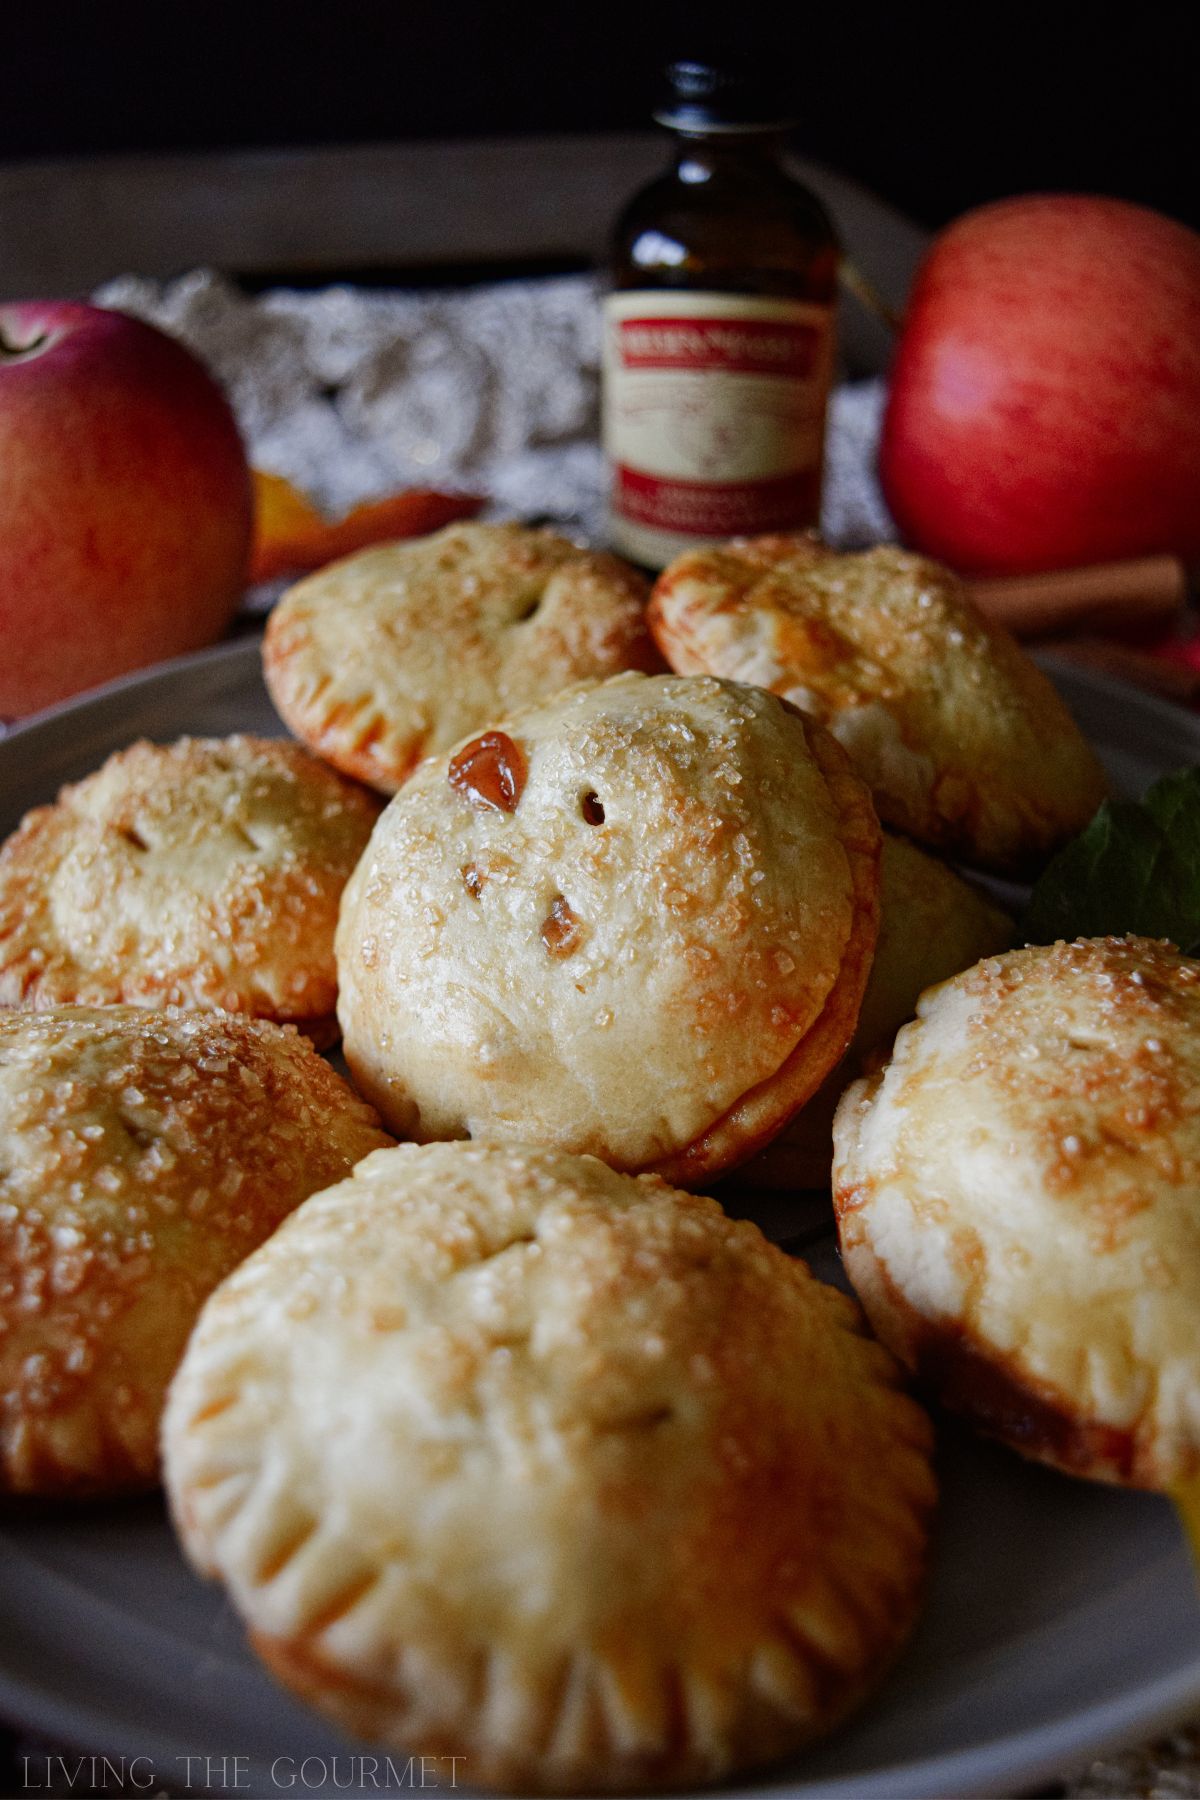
(592, 808)
(640, 1421)
(248, 838)
(527, 609)
(508, 1339)
(132, 836)
(513, 1243)
(144, 1136)
(659, 1415)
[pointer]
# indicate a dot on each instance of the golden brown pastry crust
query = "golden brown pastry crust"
(962, 740)
(395, 654)
(205, 873)
(142, 1155)
(504, 1455)
(654, 955)
(1018, 1197)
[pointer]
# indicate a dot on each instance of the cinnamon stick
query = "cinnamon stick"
(1147, 591)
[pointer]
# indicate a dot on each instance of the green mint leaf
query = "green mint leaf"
(1135, 868)
(1175, 803)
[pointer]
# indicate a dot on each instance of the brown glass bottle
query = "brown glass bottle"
(719, 331)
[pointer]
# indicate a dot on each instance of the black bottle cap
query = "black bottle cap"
(727, 95)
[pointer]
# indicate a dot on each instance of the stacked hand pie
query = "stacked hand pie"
(932, 924)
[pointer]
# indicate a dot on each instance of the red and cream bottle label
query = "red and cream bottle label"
(714, 417)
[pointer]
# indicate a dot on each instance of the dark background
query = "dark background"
(935, 112)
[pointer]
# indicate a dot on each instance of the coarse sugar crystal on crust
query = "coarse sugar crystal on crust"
(1018, 1199)
(635, 921)
(392, 655)
(503, 1455)
(206, 873)
(142, 1155)
(962, 740)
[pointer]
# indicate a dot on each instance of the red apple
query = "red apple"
(1045, 401)
(125, 501)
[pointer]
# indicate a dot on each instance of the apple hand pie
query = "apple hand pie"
(142, 1156)
(635, 922)
(505, 1455)
(206, 873)
(1018, 1201)
(395, 654)
(962, 740)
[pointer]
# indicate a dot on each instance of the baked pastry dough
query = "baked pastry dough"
(201, 873)
(635, 922)
(932, 924)
(961, 739)
(392, 655)
(504, 1455)
(1018, 1198)
(142, 1155)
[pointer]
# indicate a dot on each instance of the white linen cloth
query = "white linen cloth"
(352, 393)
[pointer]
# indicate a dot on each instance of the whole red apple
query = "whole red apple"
(1045, 400)
(125, 501)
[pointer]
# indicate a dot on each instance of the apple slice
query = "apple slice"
(291, 537)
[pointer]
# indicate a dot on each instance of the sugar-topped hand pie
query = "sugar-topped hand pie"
(963, 742)
(389, 656)
(201, 873)
(142, 1155)
(636, 921)
(503, 1455)
(1018, 1199)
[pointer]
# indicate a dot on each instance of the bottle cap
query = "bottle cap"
(729, 95)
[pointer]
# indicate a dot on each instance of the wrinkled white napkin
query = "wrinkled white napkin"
(352, 393)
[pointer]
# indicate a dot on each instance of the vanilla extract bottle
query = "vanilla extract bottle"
(719, 330)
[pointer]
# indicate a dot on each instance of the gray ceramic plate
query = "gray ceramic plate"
(1063, 1619)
